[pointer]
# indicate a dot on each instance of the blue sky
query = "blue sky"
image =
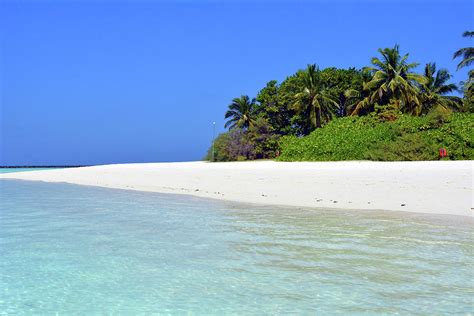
(89, 82)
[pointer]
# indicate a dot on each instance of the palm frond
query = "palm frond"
(468, 34)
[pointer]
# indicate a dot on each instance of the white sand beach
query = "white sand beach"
(437, 187)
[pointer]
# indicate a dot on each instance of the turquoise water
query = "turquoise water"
(8, 170)
(81, 250)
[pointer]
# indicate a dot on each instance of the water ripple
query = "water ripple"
(80, 250)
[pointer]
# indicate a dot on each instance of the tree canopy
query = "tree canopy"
(310, 98)
(240, 113)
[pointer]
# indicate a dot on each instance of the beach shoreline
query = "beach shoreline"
(434, 187)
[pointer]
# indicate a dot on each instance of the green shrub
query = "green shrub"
(407, 138)
(258, 142)
(405, 147)
(342, 139)
(457, 136)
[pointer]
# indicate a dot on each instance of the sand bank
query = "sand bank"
(440, 187)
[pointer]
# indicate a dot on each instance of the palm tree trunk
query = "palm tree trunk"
(318, 117)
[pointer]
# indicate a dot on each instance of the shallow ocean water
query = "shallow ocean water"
(71, 249)
(9, 170)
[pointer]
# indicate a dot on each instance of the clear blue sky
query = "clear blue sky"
(88, 82)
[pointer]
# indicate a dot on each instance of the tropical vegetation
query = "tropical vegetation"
(435, 90)
(386, 111)
(365, 138)
(240, 113)
(392, 83)
(467, 58)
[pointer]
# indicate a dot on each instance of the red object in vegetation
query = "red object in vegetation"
(443, 153)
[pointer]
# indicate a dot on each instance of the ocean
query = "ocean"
(8, 170)
(69, 249)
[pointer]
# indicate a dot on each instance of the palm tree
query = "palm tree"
(354, 96)
(314, 99)
(435, 88)
(467, 53)
(240, 113)
(392, 83)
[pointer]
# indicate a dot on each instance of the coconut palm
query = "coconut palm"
(354, 96)
(392, 83)
(435, 89)
(467, 53)
(240, 113)
(314, 100)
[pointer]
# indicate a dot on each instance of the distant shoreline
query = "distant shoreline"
(435, 187)
(53, 166)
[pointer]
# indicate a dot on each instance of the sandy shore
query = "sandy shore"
(444, 187)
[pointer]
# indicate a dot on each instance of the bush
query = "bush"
(342, 139)
(263, 139)
(231, 146)
(406, 147)
(407, 138)
(258, 142)
(457, 136)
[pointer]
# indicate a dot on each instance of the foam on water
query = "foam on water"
(74, 249)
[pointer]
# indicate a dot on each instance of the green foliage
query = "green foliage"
(263, 139)
(392, 82)
(240, 113)
(221, 148)
(405, 147)
(387, 113)
(467, 58)
(397, 114)
(434, 90)
(314, 100)
(366, 138)
(327, 87)
(257, 142)
(338, 81)
(466, 53)
(342, 139)
(457, 136)
(271, 107)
